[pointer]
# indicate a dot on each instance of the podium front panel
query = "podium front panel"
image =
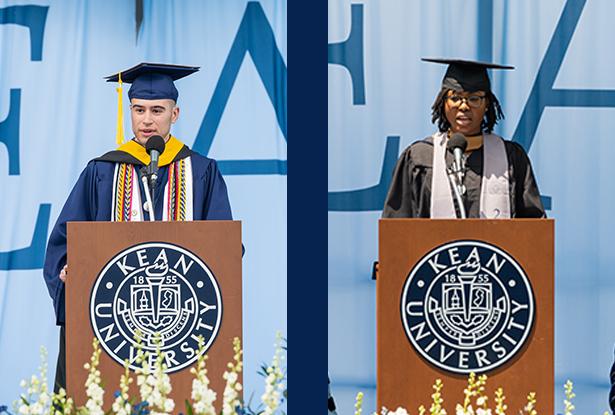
(171, 282)
(461, 296)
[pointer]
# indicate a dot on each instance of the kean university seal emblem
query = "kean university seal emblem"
(467, 306)
(165, 293)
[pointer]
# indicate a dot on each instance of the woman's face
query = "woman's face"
(465, 111)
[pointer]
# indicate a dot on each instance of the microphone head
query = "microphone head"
(457, 140)
(157, 143)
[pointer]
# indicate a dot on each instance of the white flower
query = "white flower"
(155, 397)
(209, 396)
(273, 380)
(36, 409)
(460, 411)
(24, 409)
(230, 396)
(154, 384)
(169, 405)
(231, 377)
(44, 398)
(199, 407)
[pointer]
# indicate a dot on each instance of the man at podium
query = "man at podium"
(188, 186)
(464, 170)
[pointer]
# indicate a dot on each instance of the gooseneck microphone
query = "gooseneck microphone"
(456, 172)
(458, 144)
(154, 147)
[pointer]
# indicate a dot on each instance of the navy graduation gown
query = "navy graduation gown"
(90, 200)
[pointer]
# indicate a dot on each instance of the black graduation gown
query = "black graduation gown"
(409, 194)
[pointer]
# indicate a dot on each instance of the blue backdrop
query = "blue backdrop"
(559, 104)
(56, 113)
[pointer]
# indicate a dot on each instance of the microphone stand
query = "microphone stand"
(455, 177)
(149, 179)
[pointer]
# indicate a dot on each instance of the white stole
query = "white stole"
(494, 194)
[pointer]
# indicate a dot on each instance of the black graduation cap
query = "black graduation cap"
(466, 75)
(153, 80)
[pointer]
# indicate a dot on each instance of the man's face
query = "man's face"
(465, 111)
(152, 117)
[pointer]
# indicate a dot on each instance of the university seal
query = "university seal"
(162, 293)
(467, 306)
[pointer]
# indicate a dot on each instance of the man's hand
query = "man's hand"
(63, 273)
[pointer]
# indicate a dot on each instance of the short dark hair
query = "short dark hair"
(492, 115)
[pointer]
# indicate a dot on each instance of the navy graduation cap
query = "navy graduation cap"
(149, 81)
(466, 75)
(153, 80)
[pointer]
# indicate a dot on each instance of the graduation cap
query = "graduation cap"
(466, 75)
(153, 80)
(149, 81)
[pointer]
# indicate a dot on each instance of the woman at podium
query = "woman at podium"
(464, 170)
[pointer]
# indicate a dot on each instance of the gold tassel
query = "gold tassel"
(119, 134)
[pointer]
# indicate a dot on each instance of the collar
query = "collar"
(136, 150)
(474, 142)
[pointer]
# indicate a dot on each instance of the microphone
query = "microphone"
(155, 147)
(458, 144)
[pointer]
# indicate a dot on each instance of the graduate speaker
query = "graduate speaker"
(150, 286)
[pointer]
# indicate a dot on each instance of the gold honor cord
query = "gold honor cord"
(119, 134)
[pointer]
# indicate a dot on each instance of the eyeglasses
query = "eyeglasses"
(473, 101)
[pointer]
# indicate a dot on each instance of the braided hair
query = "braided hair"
(492, 115)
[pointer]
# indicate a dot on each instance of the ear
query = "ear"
(174, 114)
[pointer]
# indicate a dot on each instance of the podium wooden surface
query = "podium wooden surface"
(92, 244)
(404, 378)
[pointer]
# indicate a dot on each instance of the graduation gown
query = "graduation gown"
(409, 194)
(90, 200)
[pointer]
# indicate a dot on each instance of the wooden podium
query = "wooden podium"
(121, 280)
(451, 299)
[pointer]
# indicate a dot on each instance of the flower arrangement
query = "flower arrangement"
(154, 388)
(121, 404)
(154, 385)
(474, 392)
(274, 385)
(37, 397)
(231, 401)
(203, 398)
